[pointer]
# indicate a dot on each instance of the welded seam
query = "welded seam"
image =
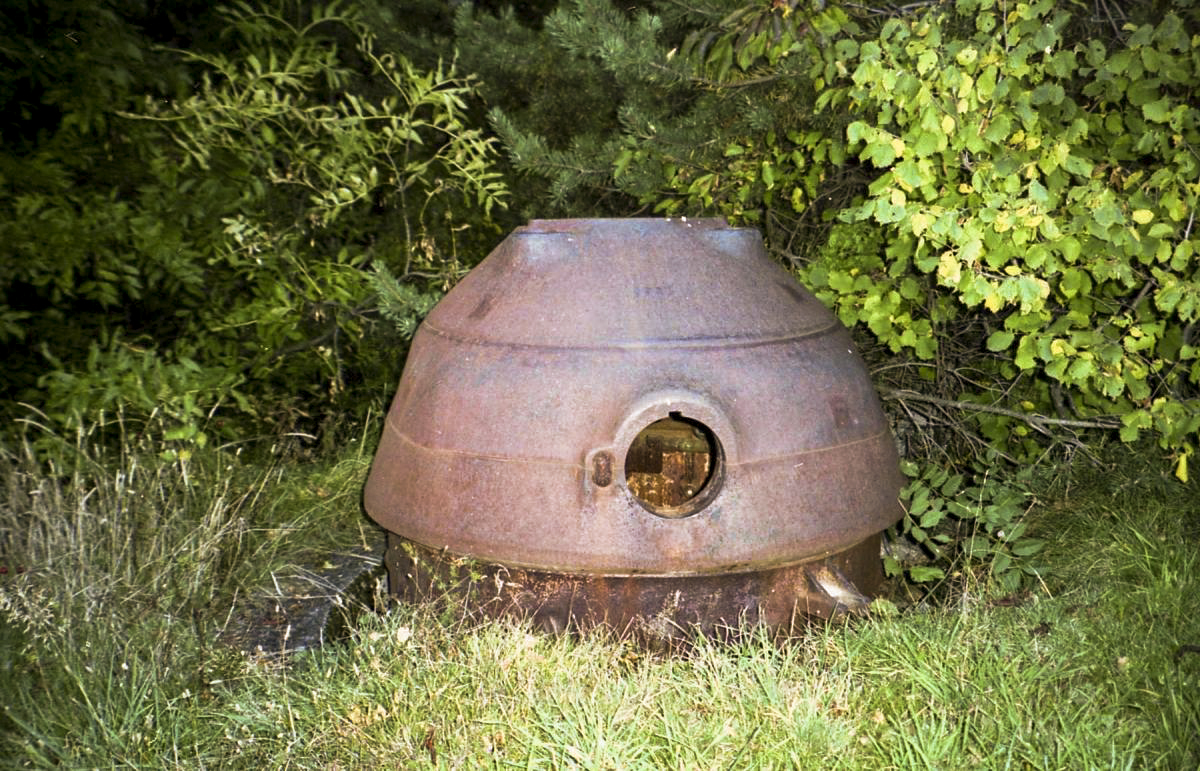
(814, 451)
(482, 456)
(685, 344)
(569, 464)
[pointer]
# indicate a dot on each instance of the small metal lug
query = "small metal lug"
(831, 582)
(602, 469)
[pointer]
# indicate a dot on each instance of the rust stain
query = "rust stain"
(482, 307)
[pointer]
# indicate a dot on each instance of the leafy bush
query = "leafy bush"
(250, 258)
(977, 516)
(1044, 182)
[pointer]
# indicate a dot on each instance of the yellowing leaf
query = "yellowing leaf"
(947, 124)
(898, 146)
(798, 200)
(1062, 151)
(926, 62)
(1142, 216)
(1181, 472)
(964, 88)
(948, 269)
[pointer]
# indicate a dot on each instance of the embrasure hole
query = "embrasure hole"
(673, 466)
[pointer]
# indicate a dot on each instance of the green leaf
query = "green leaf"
(1047, 93)
(1027, 547)
(881, 153)
(768, 174)
(932, 517)
(887, 212)
(882, 607)
(925, 573)
(1078, 166)
(1071, 248)
(1074, 281)
(926, 61)
(180, 432)
(1158, 111)
(999, 129)
(720, 58)
(910, 174)
(977, 546)
(1080, 370)
(971, 251)
(919, 502)
(1109, 214)
(999, 340)
(1031, 291)
(1026, 353)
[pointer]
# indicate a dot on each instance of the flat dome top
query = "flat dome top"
(629, 283)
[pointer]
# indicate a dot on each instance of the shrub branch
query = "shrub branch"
(1038, 422)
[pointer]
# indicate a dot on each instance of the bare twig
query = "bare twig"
(1037, 422)
(1109, 16)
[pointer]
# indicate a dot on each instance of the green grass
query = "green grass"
(107, 660)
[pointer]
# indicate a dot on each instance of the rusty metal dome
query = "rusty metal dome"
(644, 423)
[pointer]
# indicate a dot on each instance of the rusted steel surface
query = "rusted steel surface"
(656, 609)
(607, 399)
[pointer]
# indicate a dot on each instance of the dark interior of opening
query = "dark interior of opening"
(672, 466)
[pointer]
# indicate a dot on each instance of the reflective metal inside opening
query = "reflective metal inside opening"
(673, 467)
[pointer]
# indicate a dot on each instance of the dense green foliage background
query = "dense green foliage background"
(231, 218)
(227, 216)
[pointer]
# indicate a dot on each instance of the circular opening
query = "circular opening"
(673, 466)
